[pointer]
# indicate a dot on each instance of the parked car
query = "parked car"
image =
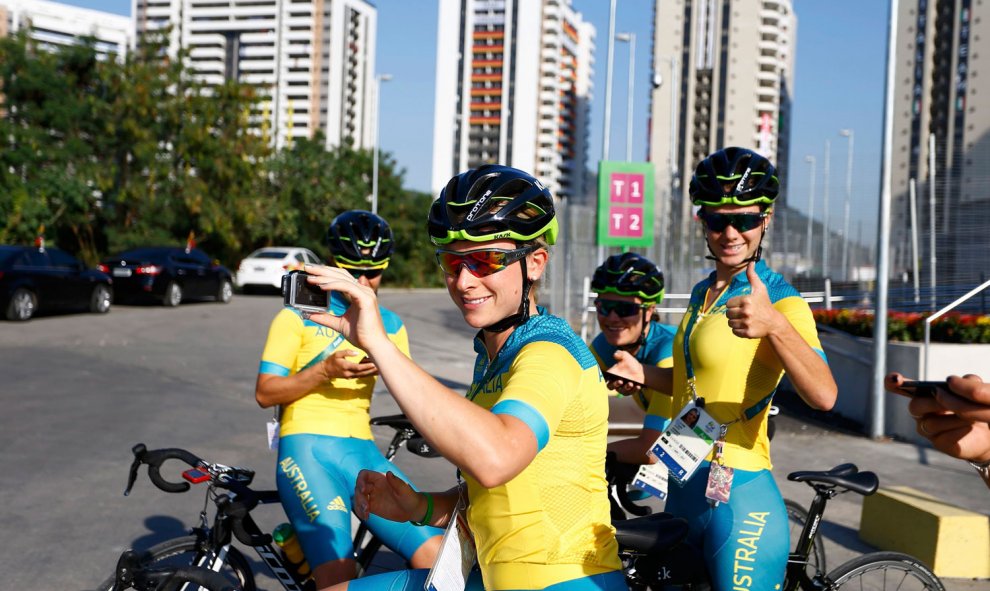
(263, 268)
(36, 279)
(168, 274)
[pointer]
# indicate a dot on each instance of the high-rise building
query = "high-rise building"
(513, 86)
(52, 25)
(723, 74)
(940, 44)
(314, 59)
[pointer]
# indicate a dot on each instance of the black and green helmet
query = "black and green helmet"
(360, 240)
(629, 274)
(734, 176)
(493, 203)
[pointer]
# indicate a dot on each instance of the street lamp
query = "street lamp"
(811, 207)
(379, 78)
(825, 230)
(629, 38)
(608, 97)
(845, 213)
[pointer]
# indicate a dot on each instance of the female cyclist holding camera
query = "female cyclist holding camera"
(529, 437)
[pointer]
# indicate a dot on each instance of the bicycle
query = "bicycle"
(655, 556)
(210, 546)
(134, 571)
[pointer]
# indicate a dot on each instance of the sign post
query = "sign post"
(625, 204)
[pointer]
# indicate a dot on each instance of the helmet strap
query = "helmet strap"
(522, 315)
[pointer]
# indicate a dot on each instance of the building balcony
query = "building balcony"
(486, 77)
(485, 106)
(486, 63)
(482, 120)
(487, 48)
(488, 35)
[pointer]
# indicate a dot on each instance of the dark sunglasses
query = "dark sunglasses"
(369, 273)
(481, 262)
(621, 309)
(743, 222)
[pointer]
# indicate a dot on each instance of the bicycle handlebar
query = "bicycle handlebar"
(154, 459)
(619, 475)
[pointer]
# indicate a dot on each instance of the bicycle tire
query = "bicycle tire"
(198, 576)
(182, 552)
(797, 515)
(879, 571)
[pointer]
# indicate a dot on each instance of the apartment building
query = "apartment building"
(53, 25)
(513, 86)
(942, 117)
(314, 59)
(723, 74)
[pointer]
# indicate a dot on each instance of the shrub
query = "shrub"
(910, 326)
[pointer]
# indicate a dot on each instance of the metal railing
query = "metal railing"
(940, 313)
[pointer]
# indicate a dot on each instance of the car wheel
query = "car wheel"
(22, 305)
(173, 294)
(99, 302)
(225, 292)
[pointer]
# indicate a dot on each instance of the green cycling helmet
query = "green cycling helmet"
(629, 274)
(734, 176)
(493, 202)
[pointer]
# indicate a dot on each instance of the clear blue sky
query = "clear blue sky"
(839, 83)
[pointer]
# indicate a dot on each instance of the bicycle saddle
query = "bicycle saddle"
(844, 476)
(395, 421)
(652, 533)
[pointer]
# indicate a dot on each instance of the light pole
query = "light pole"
(845, 209)
(379, 78)
(629, 38)
(608, 97)
(825, 236)
(811, 209)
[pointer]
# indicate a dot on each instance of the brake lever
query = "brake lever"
(139, 450)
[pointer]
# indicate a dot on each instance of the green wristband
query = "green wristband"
(429, 511)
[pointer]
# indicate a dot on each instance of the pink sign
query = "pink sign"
(625, 222)
(626, 187)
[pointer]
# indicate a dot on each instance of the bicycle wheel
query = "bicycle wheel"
(797, 516)
(180, 552)
(882, 571)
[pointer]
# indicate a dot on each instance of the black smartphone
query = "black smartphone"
(302, 295)
(926, 389)
(609, 377)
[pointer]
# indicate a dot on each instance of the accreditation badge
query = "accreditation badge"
(686, 442)
(457, 555)
(652, 478)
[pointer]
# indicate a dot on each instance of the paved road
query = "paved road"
(78, 391)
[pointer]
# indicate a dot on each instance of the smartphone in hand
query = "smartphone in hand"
(302, 295)
(611, 377)
(925, 389)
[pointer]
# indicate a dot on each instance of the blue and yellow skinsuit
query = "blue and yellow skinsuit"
(549, 527)
(325, 440)
(745, 541)
(657, 351)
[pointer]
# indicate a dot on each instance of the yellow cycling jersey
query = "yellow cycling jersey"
(340, 407)
(551, 522)
(736, 376)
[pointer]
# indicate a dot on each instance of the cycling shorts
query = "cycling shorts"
(415, 580)
(746, 541)
(316, 475)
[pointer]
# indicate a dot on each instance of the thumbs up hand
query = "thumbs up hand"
(752, 316)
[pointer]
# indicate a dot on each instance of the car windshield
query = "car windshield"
(268, 254)
(7, 253)
(138, 255)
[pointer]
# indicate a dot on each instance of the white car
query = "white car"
(264, 267)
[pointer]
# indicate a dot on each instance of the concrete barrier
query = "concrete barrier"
(953, 542)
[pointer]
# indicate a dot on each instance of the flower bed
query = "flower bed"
(905, 326)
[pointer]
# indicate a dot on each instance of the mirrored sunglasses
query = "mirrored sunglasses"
(621, 309)
(481, 262)
(743, 222)
(369, 273)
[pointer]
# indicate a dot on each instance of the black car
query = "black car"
(168, 274)
(36, 279)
